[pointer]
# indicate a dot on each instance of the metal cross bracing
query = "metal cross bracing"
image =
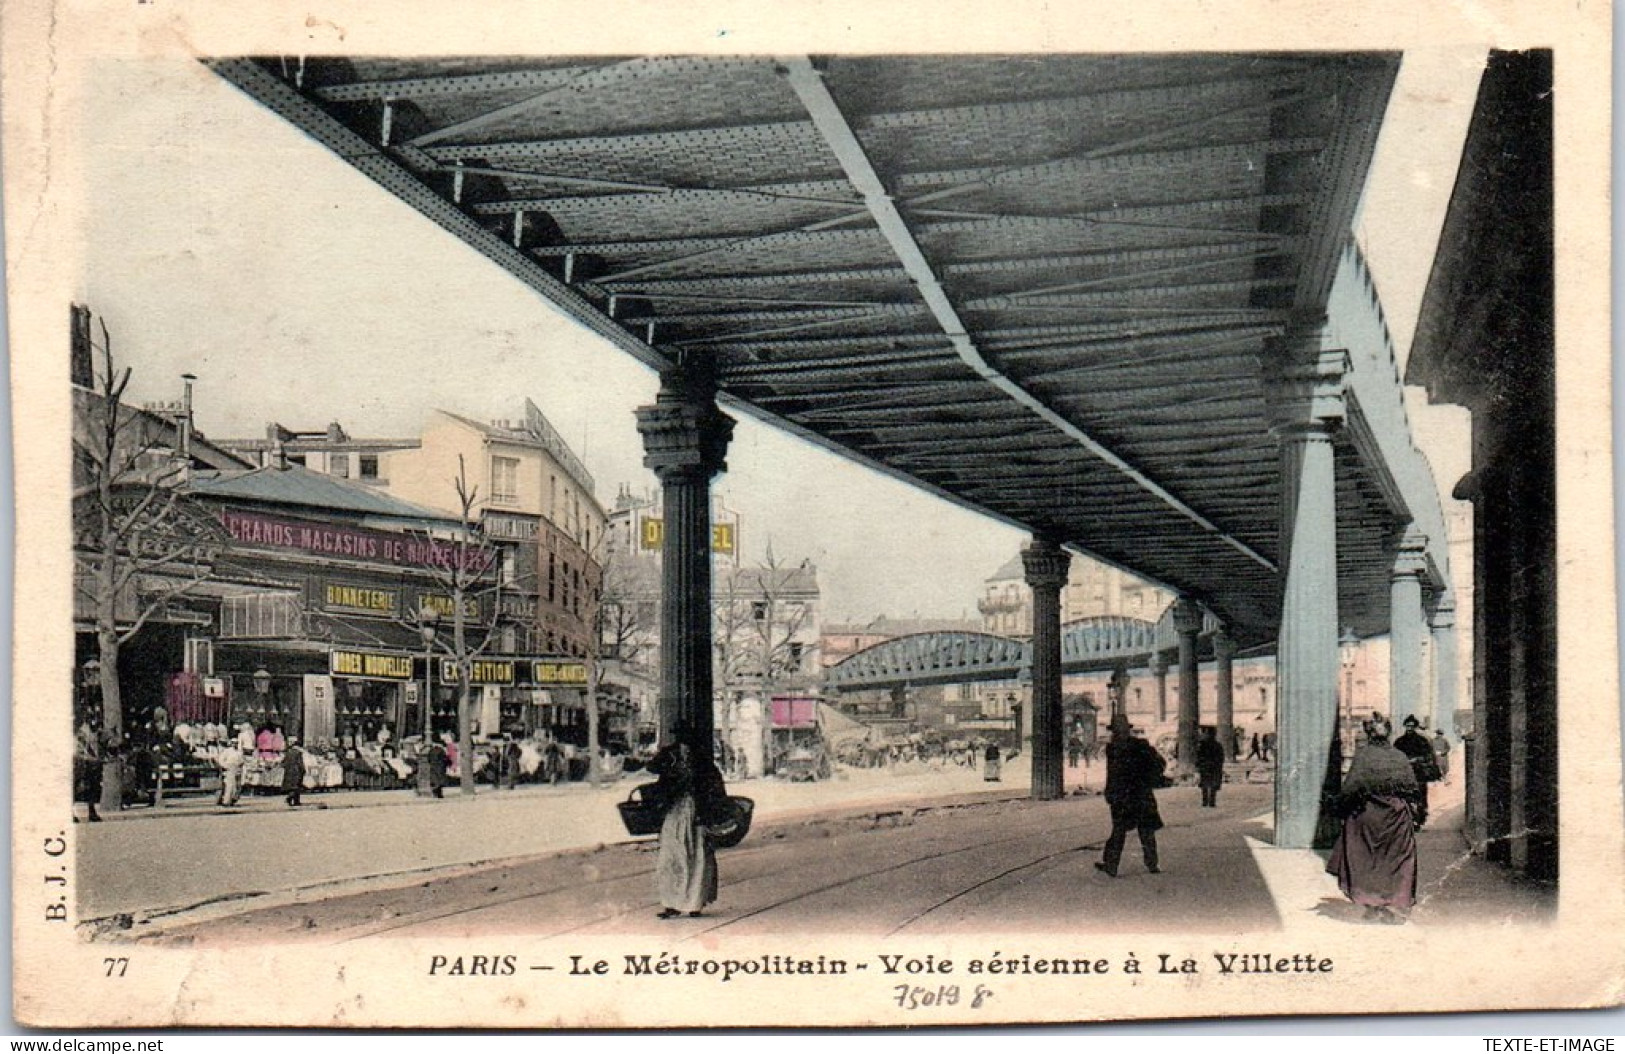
(1087, 645)
(1056, 289)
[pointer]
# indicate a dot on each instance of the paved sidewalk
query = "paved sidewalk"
(1452, 884)
(150, 861)
(214, 864)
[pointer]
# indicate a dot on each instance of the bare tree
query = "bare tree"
(137, 544)
(760, 614)
(461, 568)
(779, 611)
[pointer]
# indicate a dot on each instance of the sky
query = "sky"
(223, 242)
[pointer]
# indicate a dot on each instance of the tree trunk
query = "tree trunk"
(465, 735)
(112, 723)
(107, 653)
(594, 770)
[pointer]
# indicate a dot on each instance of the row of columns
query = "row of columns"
(685, 442)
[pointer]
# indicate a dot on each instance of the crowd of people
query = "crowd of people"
(156, 757)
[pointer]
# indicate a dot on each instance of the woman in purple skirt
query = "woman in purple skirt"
(1374, 858)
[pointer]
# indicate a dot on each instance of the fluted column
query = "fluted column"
(1224, 695)
(1045, 564)
(1443, 628)
(1405, 627)
(1187, 623)
(1159, 670)
(685, 442)
(1308, 409)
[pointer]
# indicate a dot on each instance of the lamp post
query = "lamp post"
(90, 678)
(428, 623)
(262, 688)
(1346, 647)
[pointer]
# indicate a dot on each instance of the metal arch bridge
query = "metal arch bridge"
(1087, 645)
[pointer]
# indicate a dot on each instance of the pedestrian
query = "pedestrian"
(1424, 765)
(510, 762)
(1133, 773)
(87, 765)
(692, 794)
(1256, 749)
(990, 763)
(433, 755)
(293, 770)
(1441, 754)
(231, 761)
(1374, 857)
(1209, 767)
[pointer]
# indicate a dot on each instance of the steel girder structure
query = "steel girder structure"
(1051, 288)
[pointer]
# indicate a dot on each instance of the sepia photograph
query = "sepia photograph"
(723, 520)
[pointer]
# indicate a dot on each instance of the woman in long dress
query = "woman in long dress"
(1374, 858)
(686, 872)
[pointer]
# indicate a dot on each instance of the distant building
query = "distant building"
(532, 496)
(766, 628)
(330, 451)
(1092, 589)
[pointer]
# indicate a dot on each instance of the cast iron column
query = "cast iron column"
(1224, 695)
(1045, 564)
(1405, 628)
(1308, 408)
(685, 440)
(1117, 692)
(1187, 623)
(1443, 626)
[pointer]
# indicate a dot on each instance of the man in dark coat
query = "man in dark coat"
(1415, 746)
(293, 772)
(1209, 767)
(1133, 772)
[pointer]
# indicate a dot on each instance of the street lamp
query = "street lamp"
(1347, 644)
(90, 679)
(428, 623)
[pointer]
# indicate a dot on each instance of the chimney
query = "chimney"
(186, 416)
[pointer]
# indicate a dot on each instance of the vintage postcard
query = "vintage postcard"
(634, 515)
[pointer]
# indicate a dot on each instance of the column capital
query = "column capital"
(1410, 557)
(1444, 613)
(1158, 664)
(684, 434)
(1224, 645)
(1187, 616)
(1306, 398)
(1045, 564)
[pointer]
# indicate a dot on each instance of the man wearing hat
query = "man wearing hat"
(1424, 764)
(1133, 772)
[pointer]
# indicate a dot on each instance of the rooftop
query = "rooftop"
(295, 485)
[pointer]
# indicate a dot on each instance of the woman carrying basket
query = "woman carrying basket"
(692, 794)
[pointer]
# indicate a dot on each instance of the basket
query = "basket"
(641, 814)
(730, 833)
